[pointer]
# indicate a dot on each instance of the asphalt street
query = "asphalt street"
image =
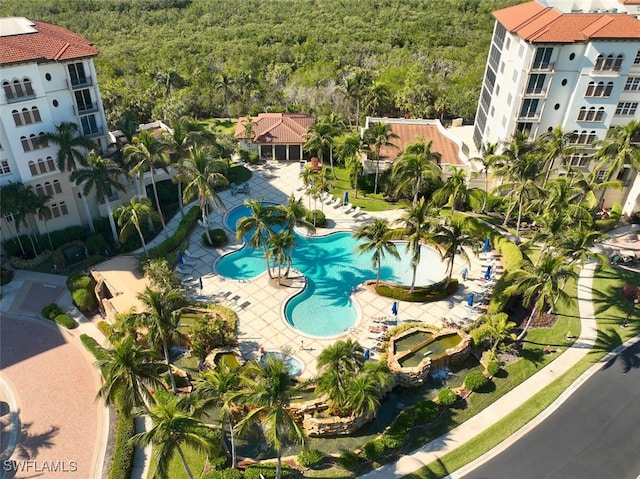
(595, 434)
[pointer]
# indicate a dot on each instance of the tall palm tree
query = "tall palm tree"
(349, 148)
(72, 146)
(377, 238)
(266, 388)
(415, 226)
(336, 364)
(295, 213)
(11, 205)
(163, 309)
(203, 177)
(223, 84)
(172, 426)
(146, 153)
(499, 329)
(131, 215)
(489, 159)
(556, 144)
(415, 165)
(215, 387)
(355, 88)
(319, 138)
(307, 175)
(261, 222)
(541, 284)
(619, 148)
(103, 176)
(279, 251)
(451, 238)
(379, 134)
(129, 371)
(455, 192)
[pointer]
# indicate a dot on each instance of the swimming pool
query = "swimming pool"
(333, 269)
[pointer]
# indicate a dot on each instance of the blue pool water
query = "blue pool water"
(333, 269)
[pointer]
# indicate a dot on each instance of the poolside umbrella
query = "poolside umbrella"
(346, 197)
(201, 285)
(487, 275)
(394, 309)
(487, 245)
(180, 257)
(470, 299)
(367, 354)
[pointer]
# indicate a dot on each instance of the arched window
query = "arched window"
(48, 188)
(26, 116)
(42, 166)
(591, 113)
(590, 88)
(44, 143)
(35, 114)
(39, 190)
(50, 164)
(32, 168)
(600, 114)
(582, 114)
(617, 65)
(608, 89)
(27, 86)
(608, 63)
(33, 139)
(8, 91)
(17, 86)
(599, 62)
(63, 208)
(26, 144)
(56, 186)
(599, 89)
(592, 138)
(17, 118)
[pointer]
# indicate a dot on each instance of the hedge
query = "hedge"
(349, 460)
(447, 397)
(374, 449)
(475, 380)
(230, 473)
(122, 459)
(320, 218)
(310, 457)
(433, 292)
(105, 328)
(66, 321)
(174, 242)
(493, 367)
(84, 300)
(218, 238)
(426, 411)
(93, 347)
(51, 310)
(267, 470)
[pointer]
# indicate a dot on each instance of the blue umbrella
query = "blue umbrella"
(180, 257)
(367, 354)
(487, 275)
(346, 197)
(201, 285)
(394, 308)
(470, 299)
(487, 245)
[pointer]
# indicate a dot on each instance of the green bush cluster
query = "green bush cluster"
(397, 434)
(310, 457)
(20, 263)
(96, 244)
(122, 459)
(267, 470)
(320, 218)
(173, 243)
(230, 473)
(426, 411)
(58, 238)
(51, 310)
(250, 156)
(66, 321)
(447, 397)
(82, 288)
(475, 380)
(493, 367)
(218, 238)
(92, 260)
(105, 328)
(93, 347)
(374, 449)
(349, 460)
(433, 292)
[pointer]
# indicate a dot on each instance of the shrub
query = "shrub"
(320, 218)
(208, 332)
(66, 321)
(105, 328)
(84, 300)
(447, 397)
(173, 243)
(267, 470)
(218, 238)
(475, 380)
(393, 440)
(51, 310)
(93, 347)
(493, 367)
(80, 281)
(230, 473)
(434, 292)
(426, 411)
(250, 156)
(310, 457)
(122, 459)
(349, 460)
(96, 244)
(373, 449)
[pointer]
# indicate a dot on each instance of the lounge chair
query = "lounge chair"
(234, 299)
(349, 208)
(244, 305)
(356, 212)
(337, 203)
(329, 199)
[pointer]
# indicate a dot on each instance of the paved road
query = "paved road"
(594, 434)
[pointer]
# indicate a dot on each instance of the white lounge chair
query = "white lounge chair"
(329, 199)
(356, 212)
(337, 203)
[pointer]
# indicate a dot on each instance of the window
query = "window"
(59, 209)
(626, 108)
(632, 84)
(524, 127)
(17, 117)
(542, 59)
(50, 164)
(499, 35)
(601, 175)
(4, 167)
(35, 114)
(18, 89)
(39, 190)
(494, 57)
(578, 160)
(83, 100)
(584, 137)
(591, 114)
(599, 89)
(8, 91)
(485, 98)
(89, 125)
(608, 63)
(28, 116)
(529, 108)
(42, 166)
(536, 84)
(77, 75)
(490, 79)
(63, 208)
(26, 145)
(32, 168)
(56, 186)
(48, 188)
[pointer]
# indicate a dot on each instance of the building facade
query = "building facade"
(48, 77)
(568, 63)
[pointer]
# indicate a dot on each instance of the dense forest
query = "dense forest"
(216, 58)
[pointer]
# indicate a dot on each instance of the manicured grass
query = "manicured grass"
(223, 125)
(366, 201)
(195, 459)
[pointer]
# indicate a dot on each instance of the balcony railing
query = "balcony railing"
(544, 66)
(537, 91)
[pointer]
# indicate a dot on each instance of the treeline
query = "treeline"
(214, 58)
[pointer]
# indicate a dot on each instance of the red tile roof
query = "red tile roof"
(410, 132)
(277, 128)
(538, 24)
(49, 43)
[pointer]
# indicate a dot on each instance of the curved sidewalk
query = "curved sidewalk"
(509, 402)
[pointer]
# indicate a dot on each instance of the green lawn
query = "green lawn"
(366, 201)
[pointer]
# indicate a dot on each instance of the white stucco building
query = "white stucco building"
(48, 77)
(568, 63)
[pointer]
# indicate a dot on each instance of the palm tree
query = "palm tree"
(349, 148)
(619, 148)
(203, 177)
(162, 319)
(455, 191)
(355, 88)
(415, 165)
(280, 246)
(336, 364)
(556, 144)
(261, 222)
(144, 154)
(172, 426)
(22, 202)
(294, 213)
(307, 175)
(101, 176)
(223, 84)
(451, 238)
(415, 227)
(363, 395)
(379, 134)
(267, 389)
(130, 216)
(214, 387)
(129, 371)
(489, 159)
(541, 284)
(320, 137)
(499, 329)
(72, 146)
(377, 238)
(378, 100)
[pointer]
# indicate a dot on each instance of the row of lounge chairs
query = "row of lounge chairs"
(231, 300)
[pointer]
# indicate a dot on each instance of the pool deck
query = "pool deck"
(262, 323)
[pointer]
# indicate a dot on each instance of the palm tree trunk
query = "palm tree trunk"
(526, 325)
(331, 162)
(184, 462)
(144, 244)
(180, 204)
(112, 223)
(486, 190)
(204, 222)
(415, 193)
(87, 212)
(519, 219)
(17, 238)
(278, 464)
(232, 439)
(167, 359)
(375, 186)
(155, 194)
(413, 278)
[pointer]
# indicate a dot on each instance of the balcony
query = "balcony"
(539, 92)
(543, 67)
(78, 83)
(85, 109)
